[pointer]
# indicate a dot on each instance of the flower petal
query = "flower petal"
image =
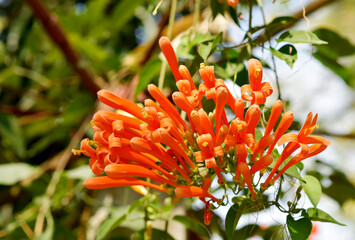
(169, 53)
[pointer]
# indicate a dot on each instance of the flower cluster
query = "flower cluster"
(180, 158)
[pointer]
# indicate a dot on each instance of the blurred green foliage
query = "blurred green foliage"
(44, 111)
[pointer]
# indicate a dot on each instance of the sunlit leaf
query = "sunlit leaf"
(288, 53)
(82, 172)
(291, 171)
(205, 49)
(316, 214)
(296, 36)
(12, 173)
(312, 188)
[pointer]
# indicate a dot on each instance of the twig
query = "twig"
(56, 33)
(272, 55)
(310, 8)
(249, 46)
(64, 159)
(196, 14)
(349, 136)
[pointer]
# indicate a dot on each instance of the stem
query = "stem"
(166, 229)
(57, 34)
(267, 34)
(196, 14)
(63, 160)
(249, 31)
(169, 35)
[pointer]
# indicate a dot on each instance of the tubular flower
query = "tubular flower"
(256, 92)
(154, 142)
(232, 3)
(309, 145)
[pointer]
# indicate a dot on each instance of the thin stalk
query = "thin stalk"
(196, 14)
(249, 47)
(169, 34)
(268, 37)
(166, 229)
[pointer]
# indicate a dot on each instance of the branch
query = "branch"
(56, 33)
(310, 8)
(325, 133)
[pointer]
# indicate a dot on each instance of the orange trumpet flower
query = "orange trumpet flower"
(256, 92)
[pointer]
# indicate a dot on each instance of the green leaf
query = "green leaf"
(232, 219)
(296, 36)
(12, 173)
(205, 49)
(11, 132)
(258, 134)
(156, 234)
(341, 188)
(92, 50)
(312, 188)
(228, 70)
(217, 8)
(149, 71)
(274, 25)
(300, 229)
(109, 225)
(316, 214)
(288, 53)
(78, 108)
(337, 46)
(82, 172)
(332, 64)
(291, 171)
(124, 11)
(278, 23)
(192, 225)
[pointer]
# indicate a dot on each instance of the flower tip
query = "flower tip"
(140, 144)
(140, 189)
(102, 93)
(278, 104)
(255, 70)
(89, 183)
(232, 3)
(222, 92)
(151, 87)
(164, 41)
